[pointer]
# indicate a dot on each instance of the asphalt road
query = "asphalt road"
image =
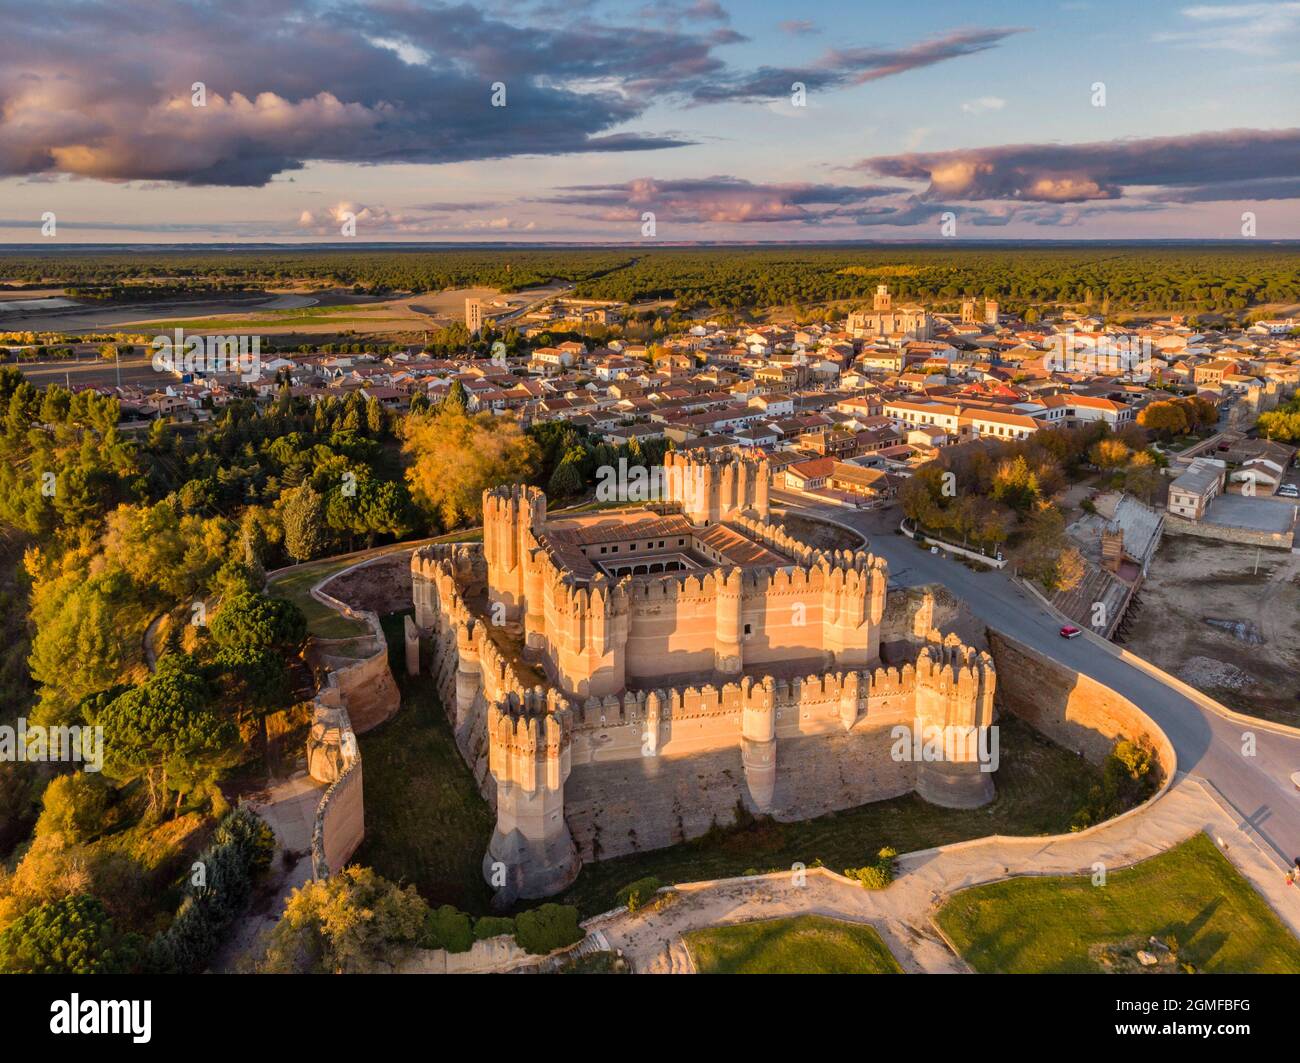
(1208, 744)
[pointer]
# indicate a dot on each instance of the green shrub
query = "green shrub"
(1130, 775)
(639, 893)
(74, 806)
(491, 926)
(73, 935)
(447, 928)
(545, 929)
(251, 834)
(240, 851)
(877, 875)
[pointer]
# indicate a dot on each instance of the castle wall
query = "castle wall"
(1072, 709)
(340, 824)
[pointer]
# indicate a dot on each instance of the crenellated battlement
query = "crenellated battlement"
(714, 488)
(528, 739)
(547, 666)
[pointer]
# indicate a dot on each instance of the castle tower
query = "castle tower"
(968, 311)
(990, 312)
(511, 514)
(531, 853)
(954, 718)
(758, 742)
(728, 651)
(589, 636)
(473, 316)
(710, 490)
(853, 605)
(883, 301)
(469, 676)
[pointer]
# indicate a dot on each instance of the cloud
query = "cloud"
(798, 27)
(719, 200)
(983, 103)
(371, 82)
(1215, 165)
(291, 81)
(844, 67)
(1250, 29)
(727, 200)
(373, 221)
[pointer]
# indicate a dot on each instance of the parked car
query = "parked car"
(1288, 491)
(1070, 632)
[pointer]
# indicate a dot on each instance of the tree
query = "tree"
(164, 732)
(1166, 418)
(566, 481)
(1015, 484)
(252, 545)
(1282, 424)
(1040, 553)
(303, 517)
(73, 935)
(73, 805)
(253, 621)
(1142, 477)
(374, 417)
(349, 922)
(456, 401)
(454, 457)
(1109, 453)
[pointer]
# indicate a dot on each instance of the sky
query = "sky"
(692, 120)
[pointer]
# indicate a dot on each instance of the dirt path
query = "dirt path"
(290, 809)
(903, 913)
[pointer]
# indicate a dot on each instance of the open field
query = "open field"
(806, 944)
(1208, 617)
(1068, 925)
(1039, 788)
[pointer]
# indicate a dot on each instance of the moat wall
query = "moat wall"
(1072, 709)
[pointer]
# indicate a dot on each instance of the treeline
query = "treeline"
(1131, 278)
(138, 293)
(374, 271)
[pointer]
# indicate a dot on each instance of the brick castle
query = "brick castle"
(625, 679)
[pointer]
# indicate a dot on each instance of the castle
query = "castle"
(626, 679)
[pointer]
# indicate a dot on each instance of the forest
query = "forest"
(1110, 277)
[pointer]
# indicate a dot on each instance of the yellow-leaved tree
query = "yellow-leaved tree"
(454, 456)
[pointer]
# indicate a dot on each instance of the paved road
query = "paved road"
(1208, 745)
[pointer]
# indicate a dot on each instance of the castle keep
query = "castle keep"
(625, 679)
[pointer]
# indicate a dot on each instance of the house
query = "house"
(808, 475)
(856, 480)
(1192, 492)
(756, 437)
(642, 433)
(1211, 374)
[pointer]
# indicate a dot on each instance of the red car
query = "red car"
(1070, 632)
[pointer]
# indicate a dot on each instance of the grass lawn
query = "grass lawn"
(1041, 925)
(1039, 788)
(805, 944)
(426, 824)
(322, 621)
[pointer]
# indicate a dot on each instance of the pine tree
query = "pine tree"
(304, 523)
